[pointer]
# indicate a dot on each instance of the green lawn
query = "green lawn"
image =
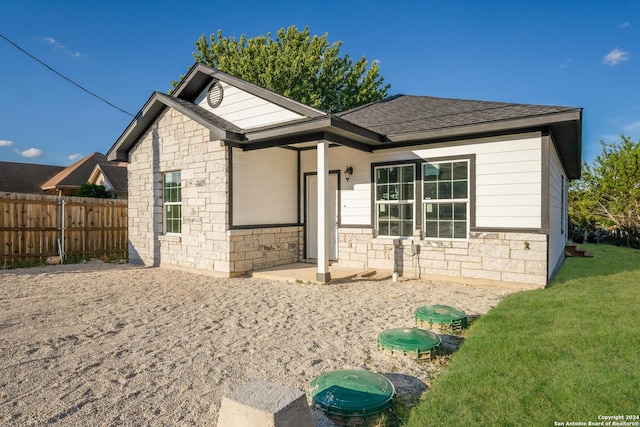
(568, 353)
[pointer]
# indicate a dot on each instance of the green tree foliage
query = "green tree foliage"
(297, 65)
(93, 190)
(609, 191)
(582, 208)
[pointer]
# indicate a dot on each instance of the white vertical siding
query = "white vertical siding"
(246, 110)
(264, 187)
(557, 214)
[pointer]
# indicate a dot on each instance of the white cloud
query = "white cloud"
(615, 57)
(5, 143)
(624, 25)
(565, 64)
(32, 152)
(53, 42)
(75, 156)
(59, 46)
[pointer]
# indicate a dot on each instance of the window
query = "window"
(446, 199)
(395, 200)
(172, 193)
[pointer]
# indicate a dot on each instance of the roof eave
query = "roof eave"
(487, 127)
(200, 75)
(569, 144)
(154, 106)
(326, 123)
(330, 128)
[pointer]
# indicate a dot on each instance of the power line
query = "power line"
(65, 77)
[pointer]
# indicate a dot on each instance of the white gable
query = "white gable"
(246, 110)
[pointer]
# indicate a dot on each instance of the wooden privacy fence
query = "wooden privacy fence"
(34, 227)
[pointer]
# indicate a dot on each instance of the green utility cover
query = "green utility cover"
(442, 314)
(352, 393)
(409, 340)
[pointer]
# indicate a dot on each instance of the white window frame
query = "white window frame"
(390, 202)
(428, 200)
(166, 204)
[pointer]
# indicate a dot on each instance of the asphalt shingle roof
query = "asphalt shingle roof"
(204, 113)
(404, 114)
(117, 176)
(75, 175)
(25, 177)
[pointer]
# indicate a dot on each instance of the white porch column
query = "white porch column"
(323, 212)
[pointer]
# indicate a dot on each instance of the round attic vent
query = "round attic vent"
(214, 98)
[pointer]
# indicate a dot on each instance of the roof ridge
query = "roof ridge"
(360, 107)
(67, 171)
(489, 102)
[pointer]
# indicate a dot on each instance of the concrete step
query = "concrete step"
(574, 251)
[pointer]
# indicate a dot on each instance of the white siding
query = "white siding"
(355, 194)
(508, 184)
(264, 187)
(508, 178)
(102, 180)
(356, 205)
(557, 214)
(246, 110)
(507, 181)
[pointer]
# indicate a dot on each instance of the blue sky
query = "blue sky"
(577, 53)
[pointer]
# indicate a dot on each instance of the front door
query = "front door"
(312, 216)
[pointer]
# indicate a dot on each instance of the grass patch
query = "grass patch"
(565, 353)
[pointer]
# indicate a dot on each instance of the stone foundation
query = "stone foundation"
(504, 257)
(257, 248)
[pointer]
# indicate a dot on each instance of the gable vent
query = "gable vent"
(214, 98)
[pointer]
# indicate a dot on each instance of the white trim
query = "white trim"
(323, 210)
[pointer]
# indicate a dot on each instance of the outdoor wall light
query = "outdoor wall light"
(348, 172)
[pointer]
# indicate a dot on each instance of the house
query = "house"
(68, 181)
(25, 177)
(226, 176)
(112, 176)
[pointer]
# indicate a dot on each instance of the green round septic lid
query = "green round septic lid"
(352, 393)
(439, 314)
(409, 340)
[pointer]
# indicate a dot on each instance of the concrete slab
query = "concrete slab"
(301, 272)
(263, 404)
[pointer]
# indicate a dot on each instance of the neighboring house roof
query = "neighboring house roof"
(396, 121)
(75, 175)
(25, 177)
(115, 173)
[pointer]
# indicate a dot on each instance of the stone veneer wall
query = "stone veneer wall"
(500, 256)
(176, 143)
(256, 248)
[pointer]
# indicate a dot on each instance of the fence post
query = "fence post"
(62, 229)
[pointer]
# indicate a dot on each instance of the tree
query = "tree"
(582, 208)
(611, 186)
(295, 64)
(93, 190)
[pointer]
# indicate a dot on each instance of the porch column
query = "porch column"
(323, 274)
